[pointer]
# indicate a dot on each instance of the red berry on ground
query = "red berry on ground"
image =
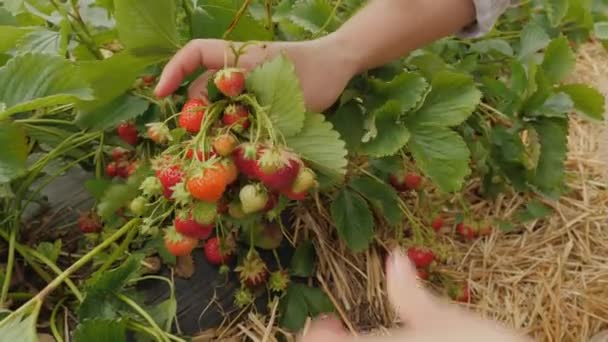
(421, 257)
(437, 223)
(402, 181)
(466, 231)
(89, 222)
(230, 81)
(462, 293)
(128, 133)
(413, 181)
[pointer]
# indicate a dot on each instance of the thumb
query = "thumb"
(413, 303)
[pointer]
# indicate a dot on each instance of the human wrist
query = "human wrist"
(343, 52)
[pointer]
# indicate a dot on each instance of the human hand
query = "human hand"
(322, 66)
(427, 318)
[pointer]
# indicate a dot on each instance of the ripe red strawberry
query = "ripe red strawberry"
(128, 133)
(245, 157)
(224, 144)
(89, 223)
(111, 169)
(192, 115)
(402, 181)
(132, 168)
(253, 271)
(466, 231)
(253, 198)
(158, 132)
(208, 184)
(119, 154)
(236, 117)
(272, 202)
(218, 251)
(178, 244)
(122, 169)
(169, 176)
(232, 173)
(230, 81)
(421, 257)
(277, 168)
(148, 79)
(437, 223)
(186, 225)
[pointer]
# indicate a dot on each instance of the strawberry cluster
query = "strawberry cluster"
(222, 167)
(122, 164)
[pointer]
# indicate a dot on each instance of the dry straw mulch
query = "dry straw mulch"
(550, 279)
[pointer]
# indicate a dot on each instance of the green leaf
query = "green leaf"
(407, 89)
(441, 154)
(11, 36)
(391, 134)
(381, 196)
(110, 79)
(41, 42)
(587, 100)
(320, 145)
(303, 261)
(50, 250)
(213, 18)
(348, 121)
(300, 302)
(101, 330)
(21, 326)
(556, 10)
(452, 99)
(123, 108)
(97, 187)
(533, 38)
(557, 105)
(147, 28)
(601, 30)
(489, 45)
(315, 16)
(353, 220)
(102, 287)
(534, 210)
(115, 197)
(559, 60)
(13, 155)
(277, 87)
(549, 176)
(36, 81)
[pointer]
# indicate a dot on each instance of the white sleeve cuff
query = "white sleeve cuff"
(488, 12)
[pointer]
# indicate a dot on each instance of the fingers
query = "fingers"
(198, 87)
(414, 304)
(200, 52)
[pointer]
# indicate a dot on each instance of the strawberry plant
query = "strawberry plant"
(216, 174)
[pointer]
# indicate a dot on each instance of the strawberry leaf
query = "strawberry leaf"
(37, 81)
(492, 45)
(147, 28)
(381, 196)
(22, 325)
(587, 100)
(348, 120)
(556, 10)
(559, 60)
(13, 155)
(353, 220)
(42, 42)
(11, 36)
(533, 38)
(98, 330)
(315, 16)
(320, 145)
(303, 261)
(300, 302)
(549, 176)
(407, 89)
(441, 154)
(452, 99)
(391, 135)
(213, 17)
(122, 108)
(277, 88)
(601, 30)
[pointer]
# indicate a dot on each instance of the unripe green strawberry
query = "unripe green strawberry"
(204, 212)
(253, 198)
(243, 297)
(138, 205)
(151, 186)
(305, 180)
(278, 281)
